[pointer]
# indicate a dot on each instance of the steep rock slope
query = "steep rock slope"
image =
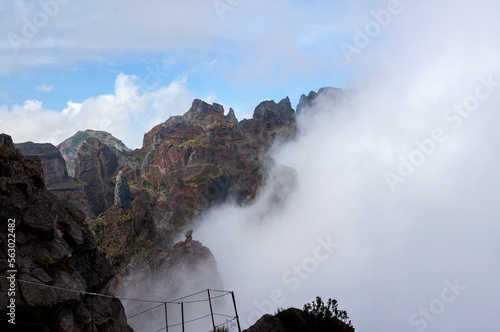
(53, 247)
(204, 157)
(53, 164)
(95, 166)
(55, 174)
(144, 260)
(146, 266)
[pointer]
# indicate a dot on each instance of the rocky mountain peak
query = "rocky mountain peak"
(270, 109)
(231, 117)
(202, 107)
(328, 93)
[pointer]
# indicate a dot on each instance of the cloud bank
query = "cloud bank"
(418, 253)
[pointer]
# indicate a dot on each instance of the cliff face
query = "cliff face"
(204, 157)
(96, 165)
(53, 247)
(53, 164)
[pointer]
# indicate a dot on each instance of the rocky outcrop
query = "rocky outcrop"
(270, 121)
(142, 223)
(205, 157)
(269, 111)
(296, 320)
(54, 167)
(325, 94)
(145, 258)
(54, 247)
(69, 147)
(146, 264)
(231, 117)
(122, 192)
(96, 166)
(55, 174)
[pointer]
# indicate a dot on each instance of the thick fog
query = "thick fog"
(395, 207)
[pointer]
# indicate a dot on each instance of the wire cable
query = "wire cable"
(87, 293)
(140, 313)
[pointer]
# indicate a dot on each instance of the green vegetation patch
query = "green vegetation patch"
(148, 185)
(195, 141)
(327, 316)
(3, 155)
(99, 229)
(132, 158)
(204, 177)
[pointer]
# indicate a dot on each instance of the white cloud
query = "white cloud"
(44, 88)
(261, 34)
(127, 114)
(211, 64)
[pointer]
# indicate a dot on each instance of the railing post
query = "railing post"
(92, 297)
(166, 318)
(182, 313)
(211, 310)
(236, 312)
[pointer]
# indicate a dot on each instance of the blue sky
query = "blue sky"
(236, 53)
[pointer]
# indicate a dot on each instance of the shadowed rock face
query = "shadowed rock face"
(53, 164)
(96, 166)
(62, 254)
